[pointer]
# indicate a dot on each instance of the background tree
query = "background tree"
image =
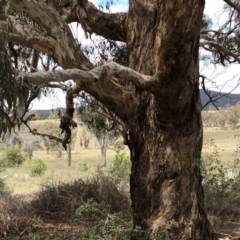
(233, 115)
(30, 146)
(73, 139)
(84, 138)
(156, 95)
(100, 122)
(51, 128)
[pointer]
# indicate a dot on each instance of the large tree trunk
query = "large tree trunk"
(165, 138)
(166, 191)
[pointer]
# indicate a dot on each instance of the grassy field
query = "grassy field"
(58, 169)
(19, 180)
(227, 142)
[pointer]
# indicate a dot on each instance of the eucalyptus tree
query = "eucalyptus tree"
(101, 122)
(156, 95)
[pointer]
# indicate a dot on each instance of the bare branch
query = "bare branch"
(105, 72)
(58, 76)
(219, 47)
(233, 5)
(42, 134)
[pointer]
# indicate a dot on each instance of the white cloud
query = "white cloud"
(54, 101)
(213, 7)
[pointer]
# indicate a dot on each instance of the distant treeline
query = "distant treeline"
(228, 117)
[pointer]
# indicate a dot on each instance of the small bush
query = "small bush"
(83, 167)
(106, 225)
(37, 166)
(12, 157)
(120, 169)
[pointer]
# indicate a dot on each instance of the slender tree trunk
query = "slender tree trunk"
(165, 138)
(104, 155)
(103, 143)
(69, 154)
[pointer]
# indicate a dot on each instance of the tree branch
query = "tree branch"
(37, 78)
(110, 26)
(66, 50)
(101, 82)
(233, 5)
(102, 73)
(221, 48)
(42, 134)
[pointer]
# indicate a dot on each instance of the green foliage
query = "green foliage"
(2, 186)
(12, 157)
(11, 93)
(221, 191)
(120, 169)
(37, 166)
(106, 225)
(2, 183)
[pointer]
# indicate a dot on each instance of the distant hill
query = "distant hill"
(43, 112)
(222, 102)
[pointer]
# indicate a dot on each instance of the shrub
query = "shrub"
(83, 167)
(106, 225)
(120, 169)
(37, 166)
(12, 157)
(63, 200)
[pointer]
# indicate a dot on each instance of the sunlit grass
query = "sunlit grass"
(59, 171)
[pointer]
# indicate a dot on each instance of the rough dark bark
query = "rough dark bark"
(166, 135)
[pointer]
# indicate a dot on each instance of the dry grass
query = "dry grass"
(58, 169)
